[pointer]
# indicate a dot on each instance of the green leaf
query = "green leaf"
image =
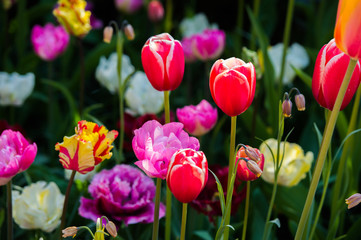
(220, 192)
(307, 79)
(203, 235)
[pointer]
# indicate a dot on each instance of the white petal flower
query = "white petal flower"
(106, 72)
(197, 24)
(39, 206)
(296, 56)
(15, 88)
(141, 97)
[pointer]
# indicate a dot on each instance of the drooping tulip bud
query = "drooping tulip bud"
(252, 153)
(107, 34)
(128, 30)
(111, 228)
(353, 200)
(254, 168)
(287, 106)
(300, 102)
(155, 11)
(69, 232)
(247, 169)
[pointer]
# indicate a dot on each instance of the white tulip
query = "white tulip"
(197, 24)
(15, 88)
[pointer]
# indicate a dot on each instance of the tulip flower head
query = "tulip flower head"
(251, 165)
(198, 120)
(348, 28)
(49, 41)
(16, 155)
(232, 83)
(209, 44)
(15, 88)
(155, 11)
(163, 62)
(330, 68)
(128, 6)
(353, 200)
(90, 145)
(187, 174)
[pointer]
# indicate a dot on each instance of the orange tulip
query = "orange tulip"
(348, 28)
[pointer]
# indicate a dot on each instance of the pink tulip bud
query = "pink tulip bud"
(247, 170)
(330, 69)
(107, 34)
(155, 11)
(187, 174)
(287, 107)
(163, 62)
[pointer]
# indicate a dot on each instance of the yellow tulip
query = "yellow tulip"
(348, 28)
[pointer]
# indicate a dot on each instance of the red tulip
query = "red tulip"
(249, 170)
(232, 83)
(187, 174)
(163, 62)
(348, 28)
(330, 69)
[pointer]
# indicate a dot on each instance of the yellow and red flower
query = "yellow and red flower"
(90, 145)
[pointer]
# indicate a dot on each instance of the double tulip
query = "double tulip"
(163, 62)
(232, 83)
(187, 174)
(330, 68)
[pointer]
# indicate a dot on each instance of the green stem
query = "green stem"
(168, 16)
(286, 40)
(82, 77)
(232, 146)
(327, 136)
(273, 197)
(246, 211)
(341, 168)
(184, 221)
(119, 47)
(168, 213)
(66, 199)
(156, 209)
(256, 5)
(239, 27)
(10, 210)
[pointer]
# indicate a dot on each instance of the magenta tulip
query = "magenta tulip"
(209, 44)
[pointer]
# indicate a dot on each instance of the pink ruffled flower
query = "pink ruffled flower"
(198, 120)
(187, 49)
(49, 41)
(209, 44)
(154, 145)
(123, 194)
(128, 6)
(16, 155)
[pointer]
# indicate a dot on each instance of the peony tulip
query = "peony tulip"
(90, 145)
(232, 83)
(128, 6)
(295, 163)
(73, 16)
(16, 155)
(38, 206)
(330, 69)
(49, 41)
(15, 88)
(209, 44)
(163, 62)
(187, 174)
(244, 173)
(123, 194)
(198, 120)
(348, 28)
(154, 145)
(155, 11)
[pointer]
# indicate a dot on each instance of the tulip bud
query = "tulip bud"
(112, 230)
(128, 30)
(107, 34)
(252, 153)
(247, 169)
(300, 102)
(254, 168)
(353, 200)
(155, 11)
(69, 232)
(187, 174)
(287, 107)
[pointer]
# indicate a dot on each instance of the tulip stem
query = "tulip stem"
(252, 44)
(66, 199)
(232, 146)
(327, 136)
(156, 209)
(168, 16)
(184, 221)
(246, 211)
(168, 213)
(10, 210)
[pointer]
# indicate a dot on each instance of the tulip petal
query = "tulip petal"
(175, 65)
(153, 67)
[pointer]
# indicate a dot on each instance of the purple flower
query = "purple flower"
(49, 41)
(209, 44)
(198, 120)
(154, 145)
(187, 49)
(16, 155)
(128, 6)
(123, 194)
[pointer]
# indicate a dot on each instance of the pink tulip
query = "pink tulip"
(128, 6)
(330, 69)
(198, 120)
(209, 44)
(187, 49)
(154, 144)
(49, 41)
(187, 174)
(163, 62)
(155, 11)
(16, 155)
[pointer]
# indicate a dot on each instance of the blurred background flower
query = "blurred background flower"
(128, 6)
(196, 24)
(123, 194)
(15, 88)
(38, 206)
(209, 44)
(295, 163)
